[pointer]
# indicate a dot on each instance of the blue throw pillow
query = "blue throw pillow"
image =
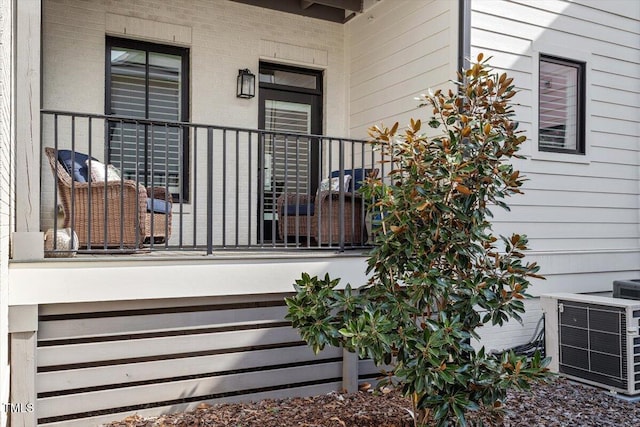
(158, 206)
(358, 177)
(302, 209)
(75, 164)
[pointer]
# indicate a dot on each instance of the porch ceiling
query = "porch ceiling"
(329, 10)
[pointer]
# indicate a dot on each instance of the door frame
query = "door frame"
(294, 94)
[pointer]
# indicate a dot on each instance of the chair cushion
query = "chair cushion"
(75, 164)
(158, 206)
(100, 173)
(302, 209)
(333, 183)
(358, 177)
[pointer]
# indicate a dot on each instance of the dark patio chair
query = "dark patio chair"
(317, 217)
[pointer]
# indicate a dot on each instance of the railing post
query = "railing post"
(341, 204)
(209, 191)
(224, 188)
(261, 183)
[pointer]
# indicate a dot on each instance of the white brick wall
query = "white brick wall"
(222, 36)
(226, 36)
(513, 333)
(5, 193)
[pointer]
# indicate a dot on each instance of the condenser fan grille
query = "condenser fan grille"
(593, 344)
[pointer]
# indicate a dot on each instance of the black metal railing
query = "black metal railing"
(187, 186)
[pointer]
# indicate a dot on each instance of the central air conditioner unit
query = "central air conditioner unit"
(594, 339)
(629, 289)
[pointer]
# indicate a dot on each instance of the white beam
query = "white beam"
(53, 282)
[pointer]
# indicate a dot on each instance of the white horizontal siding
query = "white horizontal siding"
(581, 215)
(574, 183)
(560, 245)
(595, 169)
(552, 197)
(584, 210)
(396, 51)
(560, 230)
(525, 23)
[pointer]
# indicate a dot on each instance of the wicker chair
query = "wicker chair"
(109, 214)
(317, 217)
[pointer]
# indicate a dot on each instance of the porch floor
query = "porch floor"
(291, 252)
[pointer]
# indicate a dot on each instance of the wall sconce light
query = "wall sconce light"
(246, 84)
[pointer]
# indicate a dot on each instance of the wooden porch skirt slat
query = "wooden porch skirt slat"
(166, 356)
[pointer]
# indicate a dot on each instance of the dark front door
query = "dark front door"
(290, 110)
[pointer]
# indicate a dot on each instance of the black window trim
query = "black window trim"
(317, 74)
(581, 66)
(184, 53)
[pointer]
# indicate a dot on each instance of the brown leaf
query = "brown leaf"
(364, 386)
(396, 230)
(463, 189)
(394, 128)
(423, 206)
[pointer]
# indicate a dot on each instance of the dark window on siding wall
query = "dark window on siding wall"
(561, 112)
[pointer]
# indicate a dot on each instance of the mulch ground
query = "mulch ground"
(560, 403)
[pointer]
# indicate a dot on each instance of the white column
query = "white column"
(23, 326)
(6, 187)
(27, 241)
(349, 371)
(27, 95)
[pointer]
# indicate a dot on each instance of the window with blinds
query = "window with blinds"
(561, 105)
(288, 157)
(148, 81)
